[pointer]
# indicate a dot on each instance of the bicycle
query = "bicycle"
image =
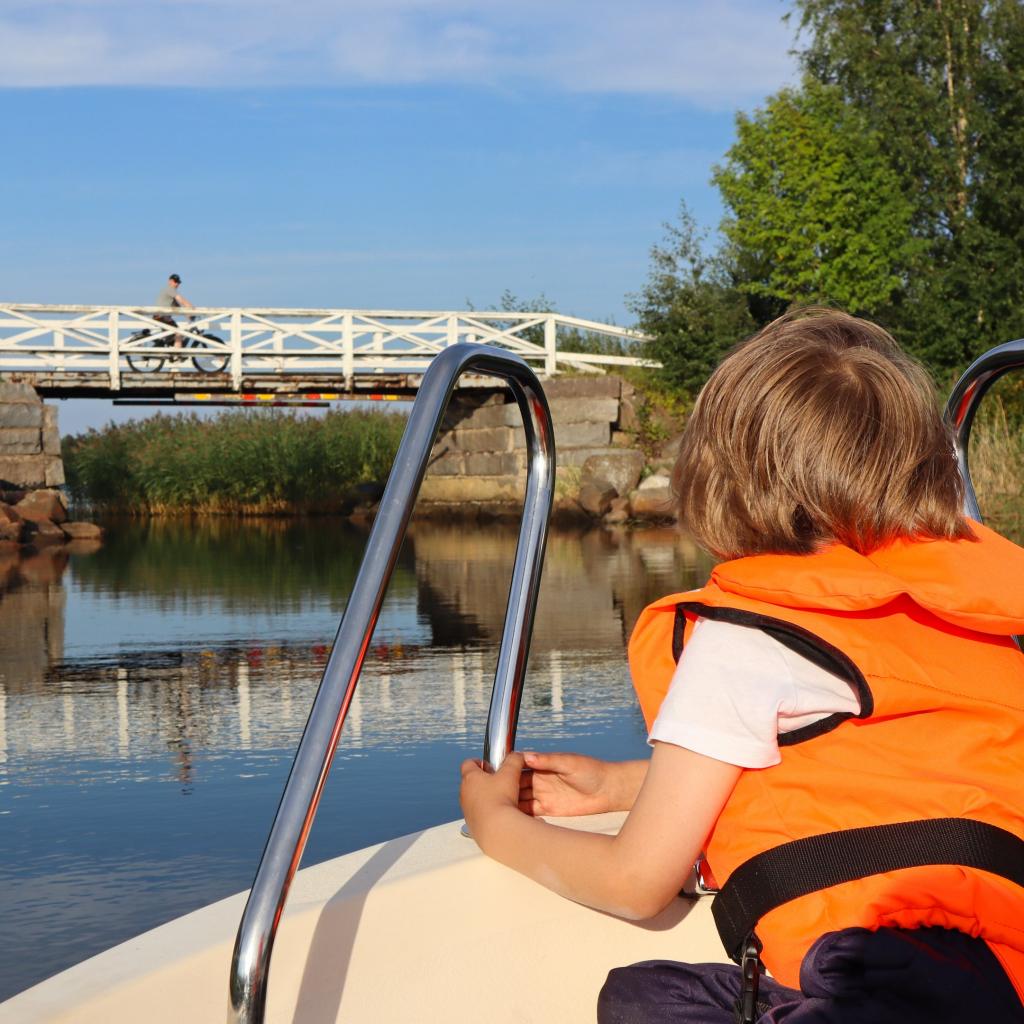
(205, 362)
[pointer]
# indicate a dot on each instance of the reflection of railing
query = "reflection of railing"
(254, 944)
(95, 340)
(962, 407)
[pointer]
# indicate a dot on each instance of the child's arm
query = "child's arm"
(634, 874)
(564, 785)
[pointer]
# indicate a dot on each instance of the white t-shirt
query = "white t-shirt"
(736, 688)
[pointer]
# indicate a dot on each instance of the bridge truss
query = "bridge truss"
(74, 350)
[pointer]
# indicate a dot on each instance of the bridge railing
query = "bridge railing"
(84, 340)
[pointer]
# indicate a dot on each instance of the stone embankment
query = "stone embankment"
(479, 462)
(33, 512)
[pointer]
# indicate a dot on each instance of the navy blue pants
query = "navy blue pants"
(890, 976)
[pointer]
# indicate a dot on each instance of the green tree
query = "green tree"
(816, 213)
(691, 306)
(940, 84)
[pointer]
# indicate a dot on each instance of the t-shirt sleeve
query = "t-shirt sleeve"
(726, 695)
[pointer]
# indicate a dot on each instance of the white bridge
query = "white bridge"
(66, 351)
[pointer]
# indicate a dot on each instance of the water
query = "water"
(152, 693)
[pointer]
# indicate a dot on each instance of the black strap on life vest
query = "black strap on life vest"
(803, 866)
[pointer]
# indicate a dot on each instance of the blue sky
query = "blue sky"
(365, 153)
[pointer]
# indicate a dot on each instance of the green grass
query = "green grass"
(250, 463)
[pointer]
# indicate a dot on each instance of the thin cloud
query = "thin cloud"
(712, 54)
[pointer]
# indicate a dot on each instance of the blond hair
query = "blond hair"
(815, 430)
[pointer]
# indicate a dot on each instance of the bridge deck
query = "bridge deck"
(192, 385)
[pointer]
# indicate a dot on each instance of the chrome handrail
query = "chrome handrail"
(250, 962)
(963, 403)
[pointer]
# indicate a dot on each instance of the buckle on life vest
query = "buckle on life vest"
(701, 881)
(747, 1008)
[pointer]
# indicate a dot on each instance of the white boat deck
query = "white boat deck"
(421, 929)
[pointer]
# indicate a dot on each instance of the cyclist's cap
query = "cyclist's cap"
(175, 278)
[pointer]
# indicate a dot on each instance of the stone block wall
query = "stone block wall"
(29, 440)
(480, 456)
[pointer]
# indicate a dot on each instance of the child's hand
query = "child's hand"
(565, 785)
(485, 795)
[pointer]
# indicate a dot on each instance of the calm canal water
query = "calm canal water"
(152, 693)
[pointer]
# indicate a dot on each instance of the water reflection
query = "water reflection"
(152, 694)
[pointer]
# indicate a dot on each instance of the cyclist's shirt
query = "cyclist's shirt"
(167, 297)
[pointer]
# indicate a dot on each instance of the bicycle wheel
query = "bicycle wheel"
(211, 362)
(138, 359)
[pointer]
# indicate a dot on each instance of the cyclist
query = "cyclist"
(170, 298)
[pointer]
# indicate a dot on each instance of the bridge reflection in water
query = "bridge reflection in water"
(152, 693)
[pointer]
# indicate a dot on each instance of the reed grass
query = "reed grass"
(996, 460)
(262, 462)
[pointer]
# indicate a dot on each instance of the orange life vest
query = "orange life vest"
(923, 631)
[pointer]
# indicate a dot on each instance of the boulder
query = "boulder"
(618, 512)
(11, 524)
(596, 497)
(44, 533)
(81, 531)
(653, 499)
(621, 469)
(39, 505)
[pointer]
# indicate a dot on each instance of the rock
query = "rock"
(18, 394)
(656, 481)
(81, 531)
(596, 497)
(583, 435)
(583, 410)
(628, 419)
(11, 524)
(41, 505)
(44, 533)
(25, 472)
(583, 387)
(621, 469)
(54, 471)
(669, 451)
(653, 499)
(50, 432)
(618, 512)
(566, 512)
(21, 440)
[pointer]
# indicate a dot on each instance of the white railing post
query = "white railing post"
(58, 340)
(278, 350)
(236, 348)
(347, 349)
(550, 339)
(453, 330)
(115, 351)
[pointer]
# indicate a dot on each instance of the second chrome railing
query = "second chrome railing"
(963, 403)
(962, 406)
(254, 944)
